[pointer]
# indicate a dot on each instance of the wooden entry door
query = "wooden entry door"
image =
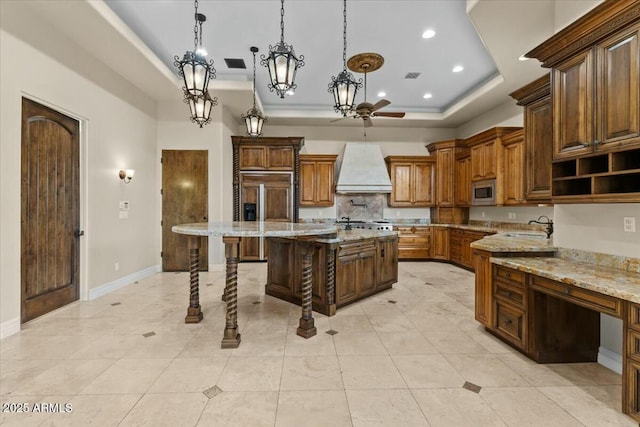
(184, 200)
(50, 214)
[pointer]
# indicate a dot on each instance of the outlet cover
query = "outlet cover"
(630, 224)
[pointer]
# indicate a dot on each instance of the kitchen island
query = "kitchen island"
(346, 268)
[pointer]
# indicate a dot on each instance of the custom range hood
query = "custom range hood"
(363, 170)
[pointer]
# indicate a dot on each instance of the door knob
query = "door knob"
(204, 218)
(78, 233)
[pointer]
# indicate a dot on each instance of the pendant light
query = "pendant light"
(344, 87)
(282, 63)
(200, 107)
(193, 67)
(254, 119)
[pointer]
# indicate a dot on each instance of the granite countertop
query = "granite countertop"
(358, 234)
(514, 241)
(254, 229)
(605, 280)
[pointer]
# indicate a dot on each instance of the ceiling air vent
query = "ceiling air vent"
(412, 75)
(235, 63)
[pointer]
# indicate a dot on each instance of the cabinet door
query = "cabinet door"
(324, 183)
(477, 167)
(490, 159)
(617, 109)
(307, 183)
(366, 273)
(280, 158)
(463, 182)
(387, 266)
(253, 157)
(402, 184)
(572, 106)
(346, 278)
(445, 182)
(440, 238)
(422, 183)
(277, 195)
(513, 179)
(482, 267)
(538, 140)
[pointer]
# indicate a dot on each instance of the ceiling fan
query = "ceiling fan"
(366, 63)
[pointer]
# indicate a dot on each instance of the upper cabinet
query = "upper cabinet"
(608, 73)
(463, 178)
(595, 92)
(538, 138)
(487, 153)
(317, 176)
(411, 181)
(274, 154)
(514, 168)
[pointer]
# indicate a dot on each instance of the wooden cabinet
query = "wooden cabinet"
(257, 157)
(355, 270)
(440, 246)
(462, 178)
(411, 181)
(631, 364)
(514, 168)
(484, 161)
(596, 105)
(414, 241)
(445, 185)
(387, 261)
(509, 311)
(460, 251)
(483, 291)
(538, 138)
(608, 71)
(317, 179)
(455, 245)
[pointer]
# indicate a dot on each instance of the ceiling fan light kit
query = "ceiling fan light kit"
(196, 73)
(282, 63)
(344, 87)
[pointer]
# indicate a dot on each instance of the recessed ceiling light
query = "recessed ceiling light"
(523, 58)
(457, 68)
(427, 95)
(381, 94)
(428, 34)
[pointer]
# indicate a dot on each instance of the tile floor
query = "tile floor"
(411, 356)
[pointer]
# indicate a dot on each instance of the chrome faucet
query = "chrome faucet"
(548, 223)
(348, 226)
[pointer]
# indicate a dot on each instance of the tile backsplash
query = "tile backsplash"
(360, 206)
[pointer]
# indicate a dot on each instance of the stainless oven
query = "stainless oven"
(483, 193)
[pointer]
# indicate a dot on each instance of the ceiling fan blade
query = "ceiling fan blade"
(341, 118)
(398, 115)
(382, 103)
(367, 122)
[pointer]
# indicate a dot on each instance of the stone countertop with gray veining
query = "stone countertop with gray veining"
(254, 229)
(515, 241)
(605, 280)
(353, 235)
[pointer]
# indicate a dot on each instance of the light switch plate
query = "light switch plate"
(630, 224)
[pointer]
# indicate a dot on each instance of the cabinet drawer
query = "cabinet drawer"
(414, 240)
(633, 344)
(509, 275)
(509, 293)
(412, 253)
(583, 297)
(357, 247)
(413, 230)
(634, 316)
(510, 323)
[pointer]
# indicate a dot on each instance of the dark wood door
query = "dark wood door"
(346, 278)
(538, 126)
(50, 256)
(184, 200)
(482, 267)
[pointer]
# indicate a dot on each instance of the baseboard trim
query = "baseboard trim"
(610, 359)
(107, 288)
(9, 327)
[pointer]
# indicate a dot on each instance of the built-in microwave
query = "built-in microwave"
(483, 193)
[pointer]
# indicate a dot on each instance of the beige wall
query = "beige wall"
(567, 11)
(118, 130)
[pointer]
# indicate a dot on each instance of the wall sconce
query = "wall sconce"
(126, 175)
